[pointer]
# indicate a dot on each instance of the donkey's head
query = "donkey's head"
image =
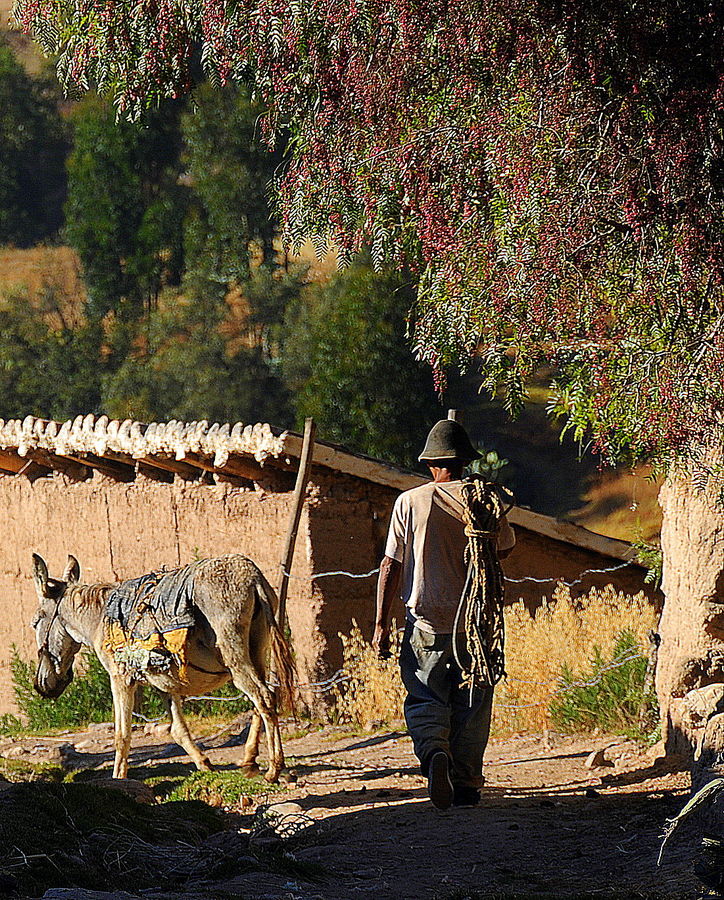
(56, 647)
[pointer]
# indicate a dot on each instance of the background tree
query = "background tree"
(45, 370)
(555, 172)
(349, 362)
(125, 207)
(189, 367)
(32, 149)
(230, 172)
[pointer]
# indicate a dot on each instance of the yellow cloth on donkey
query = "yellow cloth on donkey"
(156, 652)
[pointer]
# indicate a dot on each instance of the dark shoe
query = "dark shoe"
(439, 786)
(465, 796)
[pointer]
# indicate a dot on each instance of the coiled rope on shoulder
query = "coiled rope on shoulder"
(482, 659)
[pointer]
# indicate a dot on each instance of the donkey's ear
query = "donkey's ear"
(40, 571)
(72, 570)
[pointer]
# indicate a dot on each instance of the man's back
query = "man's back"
(427, 536)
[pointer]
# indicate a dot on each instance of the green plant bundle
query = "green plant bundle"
(609, 697)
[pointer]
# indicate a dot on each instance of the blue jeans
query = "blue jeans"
(438, 709)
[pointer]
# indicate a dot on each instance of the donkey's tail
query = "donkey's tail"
(283, 661)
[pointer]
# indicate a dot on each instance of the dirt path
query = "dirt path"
(548, 825)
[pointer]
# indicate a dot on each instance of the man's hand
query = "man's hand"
(381, 641)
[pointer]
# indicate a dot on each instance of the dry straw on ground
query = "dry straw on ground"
(563, 631)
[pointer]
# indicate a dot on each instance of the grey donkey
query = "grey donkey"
(234, 612)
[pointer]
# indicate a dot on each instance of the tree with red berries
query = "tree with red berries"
(553, 172)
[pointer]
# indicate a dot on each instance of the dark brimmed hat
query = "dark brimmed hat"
(448, 440)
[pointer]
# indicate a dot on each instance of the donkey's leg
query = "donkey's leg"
(235, 638)
(181, 734)
(251, 747)
(123, 694)
(258, 648)
(247, 680)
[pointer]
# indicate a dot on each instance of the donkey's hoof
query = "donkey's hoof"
(205, 765)
(271, 776)
(249, 769)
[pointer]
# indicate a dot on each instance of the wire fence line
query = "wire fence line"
(571, 685)
(340, 676)
(525, 579)
(576, 581)
(316, 575)
(315, 687)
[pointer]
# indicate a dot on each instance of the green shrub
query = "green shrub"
(88, 699)
(10, 725)
(609, 697)
(225, 788)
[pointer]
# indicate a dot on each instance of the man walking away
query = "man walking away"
(424, 563)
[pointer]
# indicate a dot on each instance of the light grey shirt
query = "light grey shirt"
(427, 537)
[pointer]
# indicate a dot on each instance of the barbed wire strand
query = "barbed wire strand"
(316, 687)
(573, 685)
(341, 676)
(523, 580)
(576, 581)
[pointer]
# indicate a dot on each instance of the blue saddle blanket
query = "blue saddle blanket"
(155, 603)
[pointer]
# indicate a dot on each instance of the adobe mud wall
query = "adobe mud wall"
(347, 528)
(120, 530)
(538, 556)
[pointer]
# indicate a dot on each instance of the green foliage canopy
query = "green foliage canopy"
(347, 355)
(44, 370)
(185, 368)
(125, 208)
(554, 171)
(230, 173)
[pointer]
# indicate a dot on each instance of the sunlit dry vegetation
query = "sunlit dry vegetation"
(373, 693)
(561, 636)
(566, 636)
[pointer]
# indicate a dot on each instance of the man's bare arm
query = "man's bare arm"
(388, 588)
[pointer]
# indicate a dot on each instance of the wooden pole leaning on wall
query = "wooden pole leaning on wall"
(300, 488)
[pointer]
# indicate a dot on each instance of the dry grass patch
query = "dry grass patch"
(42, 272)
(373, 693)
(566, 635)
(562, 635)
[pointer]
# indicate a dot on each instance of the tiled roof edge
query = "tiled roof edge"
(88, 434)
